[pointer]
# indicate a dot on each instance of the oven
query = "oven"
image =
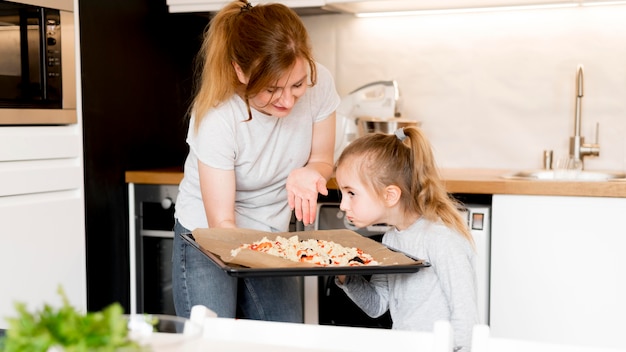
(151, 248)
(327, 304)
(150, 242)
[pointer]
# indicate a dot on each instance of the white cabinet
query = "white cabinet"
(216, 5)
(356, 6)
(42, 246)
(558, 269)
(42, 231)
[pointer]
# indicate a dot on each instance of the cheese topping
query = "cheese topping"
(319, 252)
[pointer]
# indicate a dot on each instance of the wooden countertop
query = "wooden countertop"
(470, 181)
(168, 176)
(490, 181)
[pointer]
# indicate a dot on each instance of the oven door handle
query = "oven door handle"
(157, 233)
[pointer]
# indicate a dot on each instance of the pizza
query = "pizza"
(318, 252)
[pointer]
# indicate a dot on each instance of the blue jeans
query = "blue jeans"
(197, 280)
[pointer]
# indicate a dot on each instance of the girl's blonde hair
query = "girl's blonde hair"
(382, 160)
(264, 40)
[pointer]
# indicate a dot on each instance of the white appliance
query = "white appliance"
(320, 307)
(380, 99)
(479, 222)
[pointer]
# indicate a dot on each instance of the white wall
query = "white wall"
(492, 90)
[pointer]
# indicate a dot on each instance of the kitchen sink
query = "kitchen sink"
(566, 175)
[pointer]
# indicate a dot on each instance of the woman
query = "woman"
(261, 142)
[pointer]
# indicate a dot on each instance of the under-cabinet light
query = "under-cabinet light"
(464, 10)
(604, 3)
(473, 9)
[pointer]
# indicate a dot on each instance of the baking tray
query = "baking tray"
(242, 271)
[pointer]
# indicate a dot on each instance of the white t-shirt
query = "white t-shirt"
(262, 151)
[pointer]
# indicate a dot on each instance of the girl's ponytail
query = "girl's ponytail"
(427, 188)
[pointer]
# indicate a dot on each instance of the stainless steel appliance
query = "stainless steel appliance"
(151, 248)
(374, 107)
(150, 245)
(376, 99)
(37, 65)
(327, 304)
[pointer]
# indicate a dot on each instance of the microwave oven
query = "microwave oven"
(34, 67)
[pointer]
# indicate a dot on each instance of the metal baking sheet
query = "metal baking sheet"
(242, 271)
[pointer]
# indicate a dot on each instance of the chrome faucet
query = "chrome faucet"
(578, 149)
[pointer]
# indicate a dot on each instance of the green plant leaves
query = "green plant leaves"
(67, 328)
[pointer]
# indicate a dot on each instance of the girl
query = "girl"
(393, 179)
(261, 145)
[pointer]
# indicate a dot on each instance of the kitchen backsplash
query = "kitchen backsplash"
(492, 90)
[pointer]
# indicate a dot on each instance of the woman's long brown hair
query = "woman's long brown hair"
(264, 40)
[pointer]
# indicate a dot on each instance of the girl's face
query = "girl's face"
(279, 100)
(361, 205)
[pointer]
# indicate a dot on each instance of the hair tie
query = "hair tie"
(247, 7)
(400, 133)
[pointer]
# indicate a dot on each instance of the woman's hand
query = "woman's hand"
(303, 186)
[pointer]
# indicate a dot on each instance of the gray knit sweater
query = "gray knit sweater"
(444, 291)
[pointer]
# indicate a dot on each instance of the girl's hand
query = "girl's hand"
(303, 186)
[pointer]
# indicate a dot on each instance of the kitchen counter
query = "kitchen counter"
(166, 176)
(470, 181)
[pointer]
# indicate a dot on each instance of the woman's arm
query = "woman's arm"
(218, 195)
(304, 184)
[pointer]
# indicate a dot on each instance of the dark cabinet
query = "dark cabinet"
(137, 76)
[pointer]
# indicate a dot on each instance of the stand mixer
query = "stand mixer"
(374, 107)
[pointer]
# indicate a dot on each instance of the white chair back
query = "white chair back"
(293, 337)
